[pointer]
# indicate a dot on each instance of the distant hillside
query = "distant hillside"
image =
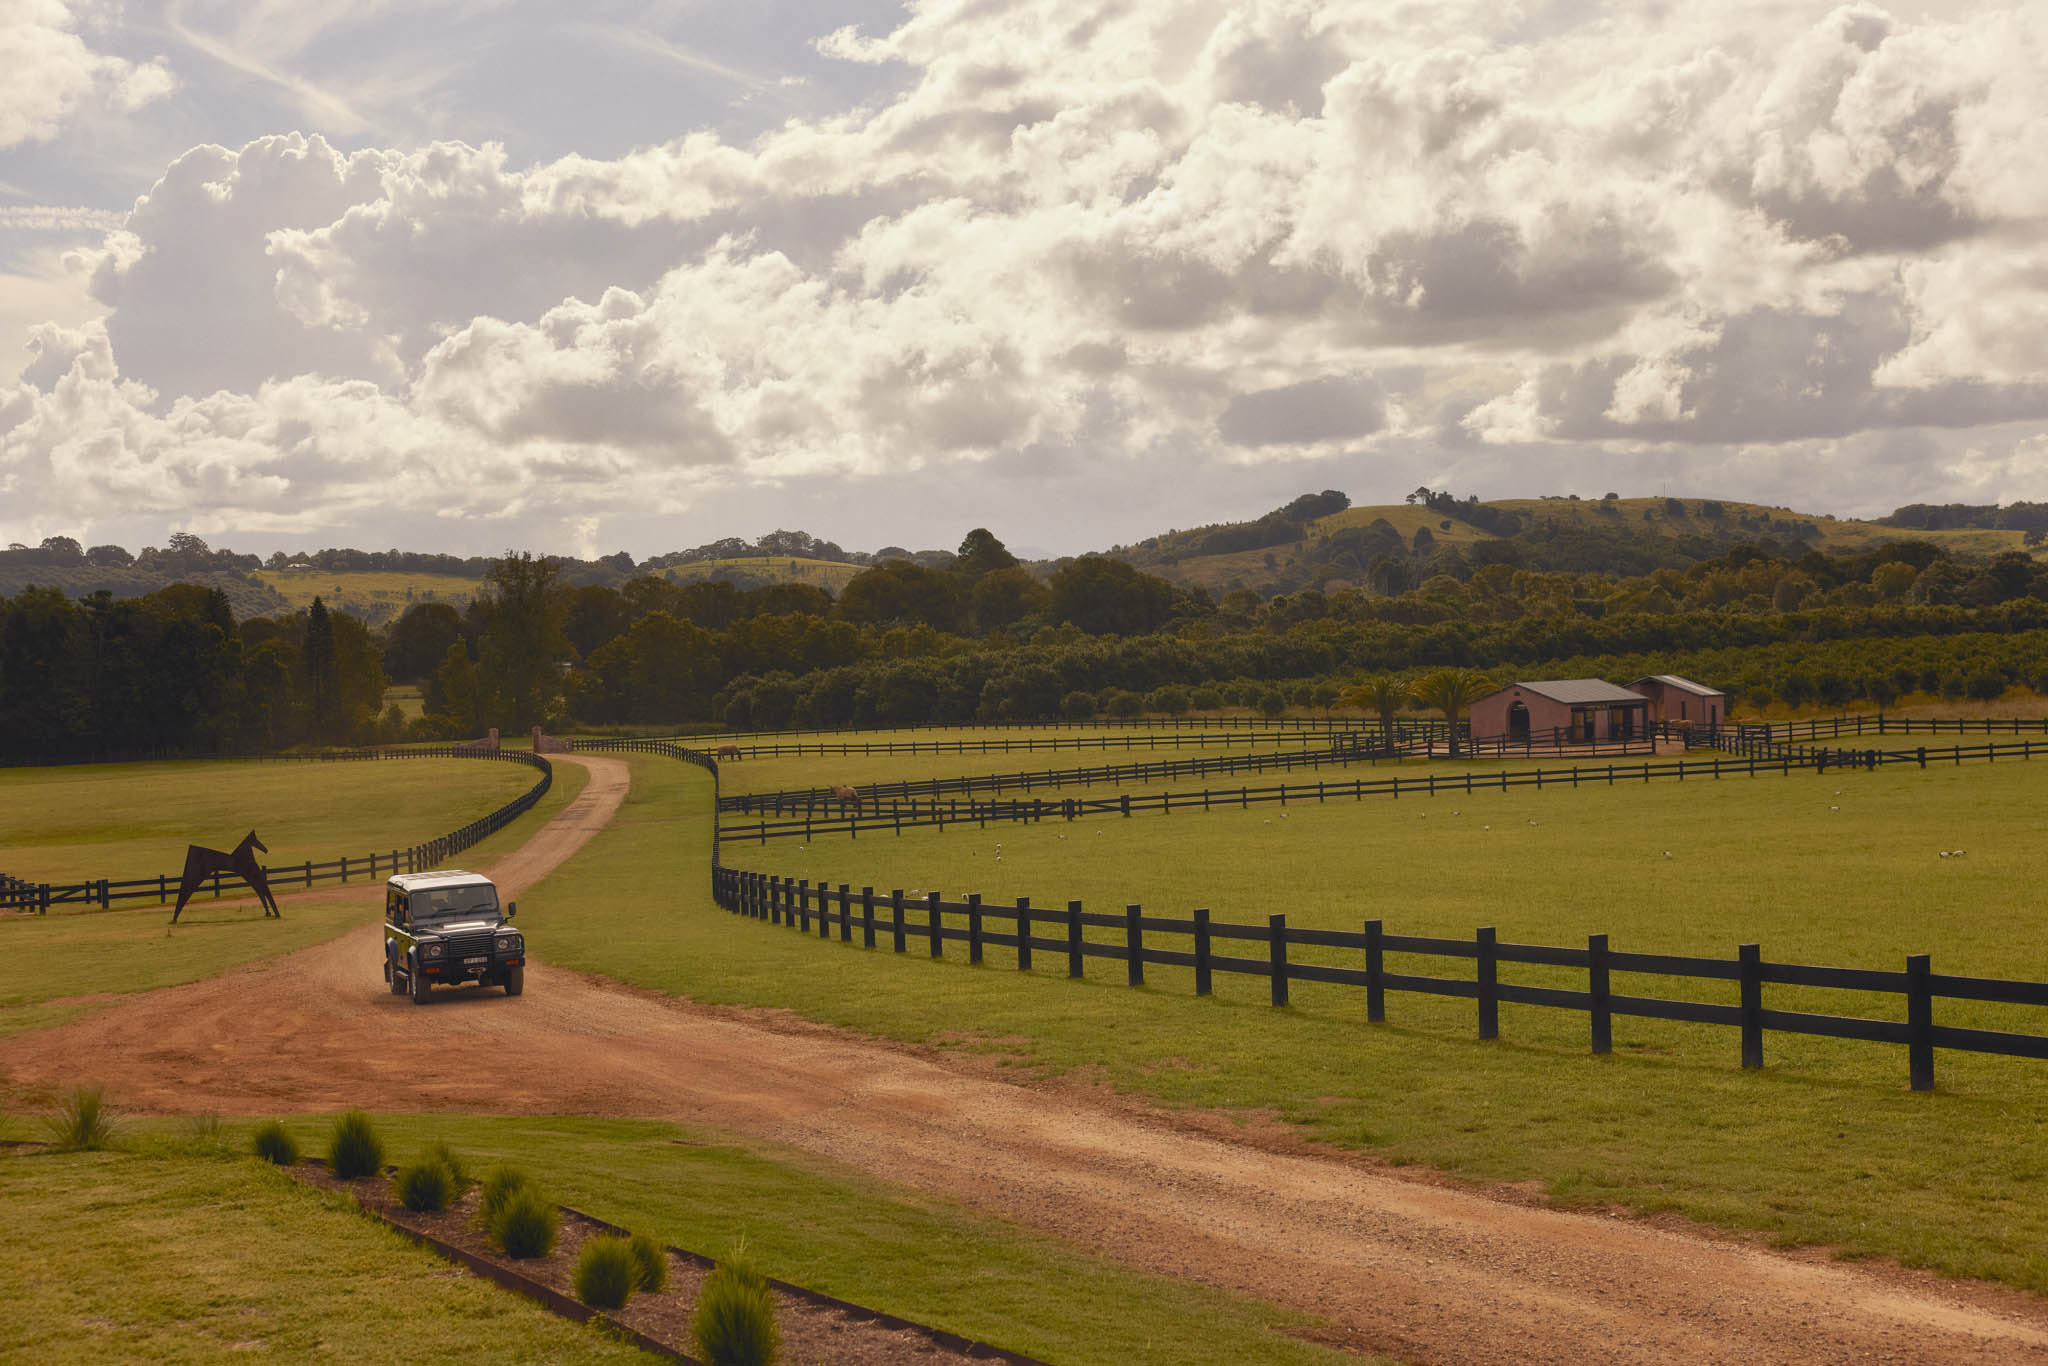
(373, 596)
(246, 597)
(1389, 547)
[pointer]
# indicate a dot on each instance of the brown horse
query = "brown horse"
(843, 795)
(728, 752)
(201, 864)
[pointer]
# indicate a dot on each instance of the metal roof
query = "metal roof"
(1683, 685)
(1575, 692)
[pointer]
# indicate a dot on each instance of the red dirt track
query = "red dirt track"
(1415, 1268)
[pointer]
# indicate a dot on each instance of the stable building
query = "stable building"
(1575, 710)
(1675, 699)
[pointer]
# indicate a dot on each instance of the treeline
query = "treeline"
(173, 672)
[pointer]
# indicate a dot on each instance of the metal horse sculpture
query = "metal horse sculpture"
(201, 864)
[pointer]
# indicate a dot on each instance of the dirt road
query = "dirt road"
(1416, 1268)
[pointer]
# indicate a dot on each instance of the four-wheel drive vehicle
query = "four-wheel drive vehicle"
(445, 927)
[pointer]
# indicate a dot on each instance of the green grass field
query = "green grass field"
(48, 963)
(173, 1254)
(360, 589)
(782, 772)
(124, 821)
(1826, 1145)
(804, 1219)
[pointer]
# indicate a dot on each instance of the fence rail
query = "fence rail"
(894, 818)
(1006, 745)
(932, 922)
(104, 892)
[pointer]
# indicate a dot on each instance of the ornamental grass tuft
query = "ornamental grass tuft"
(527, 1225)
(274, 1143)
(500, 1184)
(84, 1123)
(354, 1150)
(605, 1272)
(426, 1186)
(735, 1319)
(650, 1264)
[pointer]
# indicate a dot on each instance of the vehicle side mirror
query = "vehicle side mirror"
(511, 909)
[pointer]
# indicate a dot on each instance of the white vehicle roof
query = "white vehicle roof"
(440, 877)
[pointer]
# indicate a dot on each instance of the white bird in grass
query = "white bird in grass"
(1834, 808)
(1667, 853)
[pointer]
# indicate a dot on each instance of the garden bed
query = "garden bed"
(815, 1327)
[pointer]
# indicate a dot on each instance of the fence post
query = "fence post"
(778, 898)
(974, 927)
(824, 910)
(803, 905)
(1074, 956)
(1752, 968)
(1134, 946)
(1276, 968)
(1489, 985)
(1920, 1021)
(938, 940)
(1596, 987)
(845, 914)
(1375, 975)
(1023, 934)
(106, 901)
(867, 917)
(896, 908)
(1201, 951)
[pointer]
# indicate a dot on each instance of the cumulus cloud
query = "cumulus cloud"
(1268, 234)
(53, 71)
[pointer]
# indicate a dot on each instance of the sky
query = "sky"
(469, 275)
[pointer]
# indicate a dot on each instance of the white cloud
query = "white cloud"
(52, 71)
(1260, 234)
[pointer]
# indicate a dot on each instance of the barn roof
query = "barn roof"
(1580, 691)
(1683, 685)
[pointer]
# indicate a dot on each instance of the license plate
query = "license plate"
(484, 959)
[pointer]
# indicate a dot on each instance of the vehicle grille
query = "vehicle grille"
(459, 947)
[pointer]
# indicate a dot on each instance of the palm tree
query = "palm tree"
(1451, 691)
(1382, 693)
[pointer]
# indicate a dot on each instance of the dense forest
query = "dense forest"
(974, 634)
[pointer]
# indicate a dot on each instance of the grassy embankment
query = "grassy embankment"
(1826, 1145)
(48, 962)
(359, 591)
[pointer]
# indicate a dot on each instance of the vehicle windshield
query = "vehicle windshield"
(455, 903)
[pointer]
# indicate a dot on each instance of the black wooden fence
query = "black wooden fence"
(103, 892)
(862, 816)
(930, 922)
(1008, 745)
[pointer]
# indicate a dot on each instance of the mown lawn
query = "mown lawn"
(45, 961)
(803, 1219)
(1825, 1145)
(168, 1254)
(125, 821)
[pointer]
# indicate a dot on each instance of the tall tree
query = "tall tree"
(981, 553)
(317, 659)
(519, 671)
(1451, 691)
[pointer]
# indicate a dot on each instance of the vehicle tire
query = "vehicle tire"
(391, 976)
(420, 985)
(515, 980)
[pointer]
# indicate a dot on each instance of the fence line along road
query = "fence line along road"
(796, 903)
(102, 892)
(1160, 740)
(1268, 723)
(898, 817)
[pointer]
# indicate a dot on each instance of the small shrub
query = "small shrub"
(84, 1124)
(501, 1183)
(425, 1186)
(735, 1319)
(203, 1130)
(439, 1152)
(605, 1272)
(354, 1150)
(274, 1143)
(527, 1225)
(650, 1264)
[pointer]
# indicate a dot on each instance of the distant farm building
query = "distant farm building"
(1680, 699)
(1573, 709)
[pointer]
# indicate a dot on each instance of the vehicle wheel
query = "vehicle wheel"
(515, 980)
(391, 976)
(420, 986)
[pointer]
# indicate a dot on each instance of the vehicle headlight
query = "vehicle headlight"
(507, 944)
(432, 950)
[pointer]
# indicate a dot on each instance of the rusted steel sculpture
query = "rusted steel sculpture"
(201, 864)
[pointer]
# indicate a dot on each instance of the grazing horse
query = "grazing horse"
(200, 864)
(843, 795)
(728, 752)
